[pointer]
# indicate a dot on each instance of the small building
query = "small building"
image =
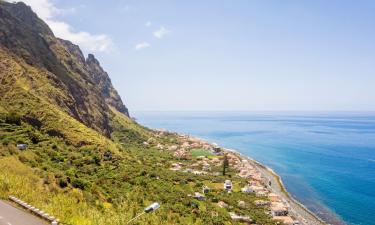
(228, 185)
(199, 196)
(278, 209)
(206, 190)
(239, 218)
(22, 146)
(222, 204)
(216, 149)
(241, 204)
(286, 220)
(176, 167)
(247, 189)
(261, 193)
(256, 188)
(273, 197)
(197, 172)
(262, 203)
(206, 168)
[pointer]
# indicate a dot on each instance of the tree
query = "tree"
(225, 164)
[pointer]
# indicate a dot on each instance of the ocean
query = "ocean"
(326, 160)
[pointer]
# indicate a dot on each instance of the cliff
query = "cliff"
(79, 86)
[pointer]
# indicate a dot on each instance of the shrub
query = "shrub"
(79, 183)
(13, 118)
(62, 183)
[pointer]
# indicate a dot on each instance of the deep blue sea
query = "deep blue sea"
(326, 160)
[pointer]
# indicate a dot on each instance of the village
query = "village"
(210, 156)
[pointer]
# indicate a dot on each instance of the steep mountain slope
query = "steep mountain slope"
(87, 162)
(87, 88)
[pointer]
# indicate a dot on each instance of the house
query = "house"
(241, 204)
(173, 147)
(278, 209)
(197, 172)
(206, 190)
(206, 168)
(273, 197)
(247, 189)
(239, 218)
(286, 220)
(176, 167)
(262, 203)
(261, 193)
(22, 146)
(228, 185)
(199, 196)
(222, 204)
(216, 149)
(256, 188)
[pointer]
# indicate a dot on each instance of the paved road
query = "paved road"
(304, 216)
(10, 215)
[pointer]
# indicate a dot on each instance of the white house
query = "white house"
(247, 189)
(228, 185)
(22, 146)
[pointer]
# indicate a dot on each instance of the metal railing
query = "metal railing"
(34, 210)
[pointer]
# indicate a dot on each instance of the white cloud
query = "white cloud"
(161, 32)
(47, 11)
(148, 24)
(142, 45)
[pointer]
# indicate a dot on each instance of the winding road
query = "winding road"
(10, 215)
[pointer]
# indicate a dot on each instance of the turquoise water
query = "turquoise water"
(326, 160)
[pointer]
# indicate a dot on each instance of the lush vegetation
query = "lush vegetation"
(84, 185)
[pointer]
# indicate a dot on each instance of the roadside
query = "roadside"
(10, 215)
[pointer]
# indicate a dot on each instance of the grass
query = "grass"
(200, 152)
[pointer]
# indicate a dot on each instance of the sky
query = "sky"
(250, 55)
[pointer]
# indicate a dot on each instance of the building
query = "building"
(22, 146)
(239, 218)
(247, 189)
(241, 204)
(199, 196)
(286, 220)
(262, 203)
(176, 167)
(222, 204)
(278, 209)
(206, 190)
(273, 197)
(228, 185)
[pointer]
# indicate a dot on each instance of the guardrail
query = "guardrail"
(35, 210)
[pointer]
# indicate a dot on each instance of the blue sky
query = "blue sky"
(227, 55)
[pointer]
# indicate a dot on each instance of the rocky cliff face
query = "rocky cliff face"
(81, 87)
(101, 78)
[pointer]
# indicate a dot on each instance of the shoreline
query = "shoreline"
(274, 185)
(270, 173)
